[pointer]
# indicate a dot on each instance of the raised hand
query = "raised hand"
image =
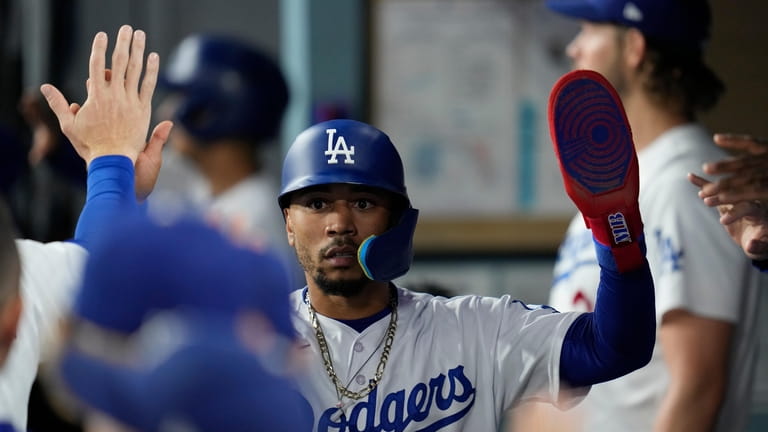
(746, 221)
(115, 117)
(741, 196)
(746, 175)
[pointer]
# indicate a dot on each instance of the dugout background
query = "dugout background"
(331, 52)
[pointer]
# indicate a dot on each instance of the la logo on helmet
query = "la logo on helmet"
(340, 147)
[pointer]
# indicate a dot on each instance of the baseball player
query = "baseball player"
(227, 99)
(108, 131)
(701, 373)
(385, 358)
(177, 328)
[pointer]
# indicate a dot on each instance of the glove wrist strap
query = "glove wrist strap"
(620, 231)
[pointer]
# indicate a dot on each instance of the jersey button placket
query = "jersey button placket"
(358, 355)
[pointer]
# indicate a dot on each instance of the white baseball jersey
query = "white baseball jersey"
(455, 365)
(696, 267)
(50, 272)
(248, 210)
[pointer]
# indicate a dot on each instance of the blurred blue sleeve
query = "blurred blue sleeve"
(110, 195)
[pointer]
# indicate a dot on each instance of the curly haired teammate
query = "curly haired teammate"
(702, 371)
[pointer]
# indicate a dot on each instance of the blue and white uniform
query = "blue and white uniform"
(456, 364)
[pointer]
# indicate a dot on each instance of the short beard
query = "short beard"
(343, 288)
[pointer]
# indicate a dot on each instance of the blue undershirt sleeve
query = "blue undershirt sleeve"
(619, 336)
(110, 194)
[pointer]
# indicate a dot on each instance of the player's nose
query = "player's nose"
(340, 220)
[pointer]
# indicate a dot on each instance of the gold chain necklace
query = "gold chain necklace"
(389, 337)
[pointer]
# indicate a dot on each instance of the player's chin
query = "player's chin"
(341, 275)
(345, 284)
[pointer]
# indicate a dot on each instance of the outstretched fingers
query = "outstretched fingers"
(706, 187)
(735, 165)
(709, 192)
(697, 180)
(59, 105)
(115, 116)
(150, 78)
(159, 136)
(741, 142)
(136, 61)
(96, 64)
(150, 160)
(750, 186)
(733, 213)
(121, 55)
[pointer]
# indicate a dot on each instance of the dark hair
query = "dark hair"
(680, 79)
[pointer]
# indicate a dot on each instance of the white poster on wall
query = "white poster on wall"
(461, 87)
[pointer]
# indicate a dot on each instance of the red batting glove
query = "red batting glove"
(593, 144)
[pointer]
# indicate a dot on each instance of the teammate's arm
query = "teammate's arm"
(696, 354)
(108, 131)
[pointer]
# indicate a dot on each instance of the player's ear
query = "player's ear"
(634, 47)
(289, 226)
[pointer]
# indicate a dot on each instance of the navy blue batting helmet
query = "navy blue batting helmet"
(351, 152)
(342, 151)
(228, 89)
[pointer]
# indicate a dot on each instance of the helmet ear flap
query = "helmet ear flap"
(388, 256)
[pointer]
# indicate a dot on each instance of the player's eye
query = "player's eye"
(363, 203)
(316, 203)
